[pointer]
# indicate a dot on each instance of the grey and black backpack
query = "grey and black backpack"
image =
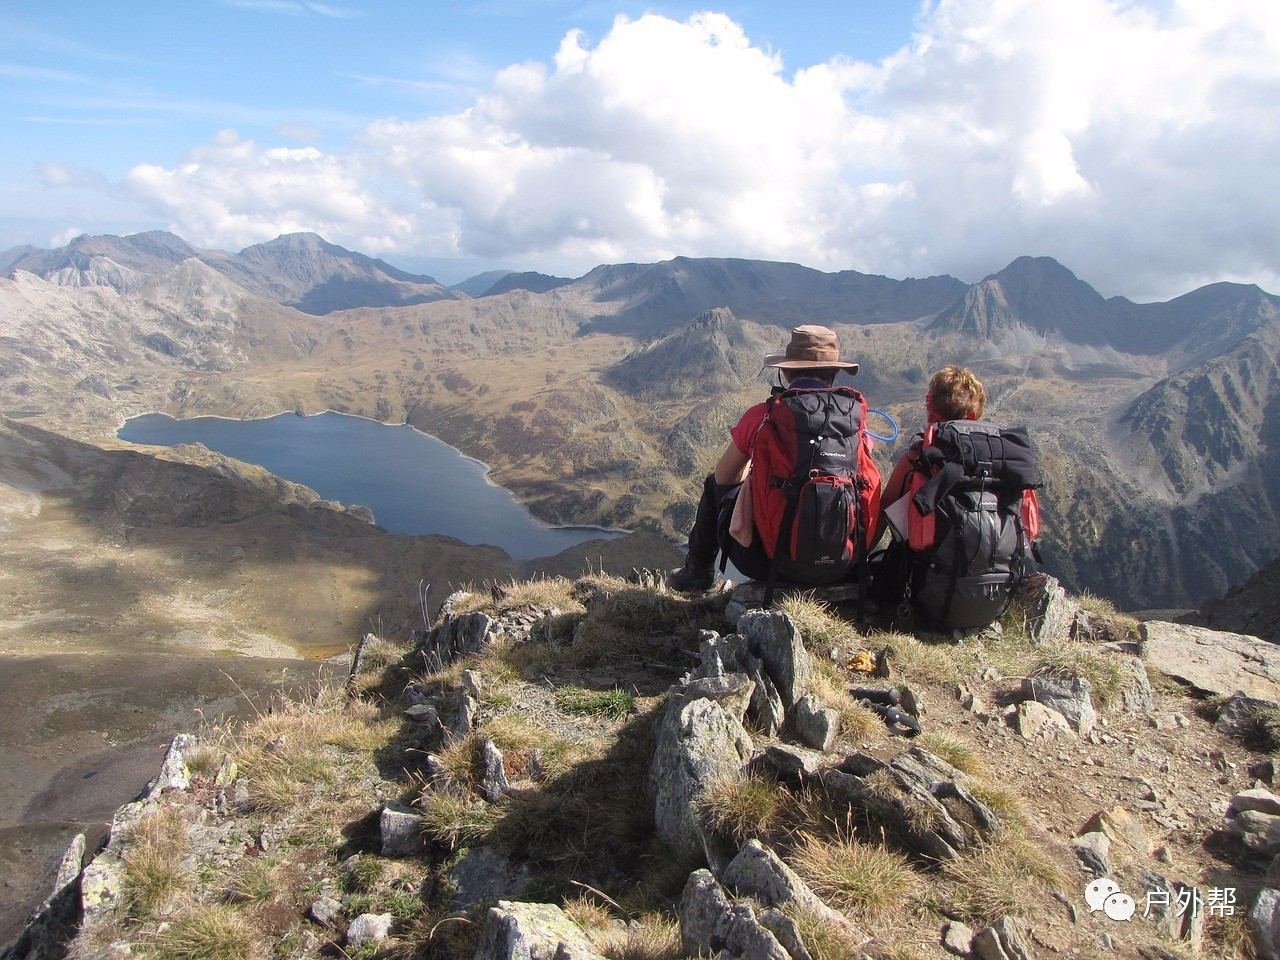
(973, 517)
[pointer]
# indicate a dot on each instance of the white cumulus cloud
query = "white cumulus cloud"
(234, 192)
(1133, 142)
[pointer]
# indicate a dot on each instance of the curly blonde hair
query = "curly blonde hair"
(956, 394)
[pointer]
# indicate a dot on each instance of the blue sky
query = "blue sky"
(1136, 142)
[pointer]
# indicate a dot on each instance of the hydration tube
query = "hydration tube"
(893, 423)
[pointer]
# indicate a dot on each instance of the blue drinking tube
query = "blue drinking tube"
(892, 423)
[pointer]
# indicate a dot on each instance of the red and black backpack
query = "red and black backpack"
(815, 489)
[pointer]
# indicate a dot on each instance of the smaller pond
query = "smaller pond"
(412, 482)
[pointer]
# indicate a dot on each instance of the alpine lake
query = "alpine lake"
(413, 482)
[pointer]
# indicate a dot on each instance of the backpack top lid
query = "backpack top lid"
(960, 450)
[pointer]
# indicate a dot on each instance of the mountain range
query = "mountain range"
(299, 270)
(605, 398)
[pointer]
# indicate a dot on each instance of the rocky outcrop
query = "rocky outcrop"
(1065, 695)
(698, 746)
(759, 873)
(53, 921)
(1212, 661)
(922, 800)
(532, 931)
(712, 924)
(1254, 816)
(768, 651)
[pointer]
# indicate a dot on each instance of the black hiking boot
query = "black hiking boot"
(692, 576)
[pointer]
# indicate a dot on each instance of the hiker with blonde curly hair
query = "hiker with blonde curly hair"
(963, 509)
(954, 394)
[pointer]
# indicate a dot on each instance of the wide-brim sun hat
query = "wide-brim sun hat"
(811, 347)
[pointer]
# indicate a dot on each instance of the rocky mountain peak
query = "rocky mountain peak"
(713, 352)
(1034, 293)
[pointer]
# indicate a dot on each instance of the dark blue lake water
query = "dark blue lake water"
(412, 482)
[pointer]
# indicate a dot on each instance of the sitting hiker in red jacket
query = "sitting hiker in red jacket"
(795, 492)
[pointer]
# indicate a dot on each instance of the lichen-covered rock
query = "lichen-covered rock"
(710, 923)
(1121, 827)
(957, 939)
(54, 921)
(493, 783)
(759, 873)
(532, 931)
(400, 831)
(724, 656)
(815, 723)
(1135, 694)
(773, 637)
(174, 774)
(369, 928)
(462, 635)
(733, 691)
(1034, 720)
(921, 798)
(1264, 924)
(484, 873)
(1257, 799)
(1052, 617)
(1093, 850)
(787, 932)
(697, 745)
(793, 764)
(1068, 696)
(102, 883)
(460, 718)
(1004, 940)
(326, 912)
(1213, 661)
(1237, 716)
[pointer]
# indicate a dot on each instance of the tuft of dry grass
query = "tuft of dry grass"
(283, 781)
(823, 939)
(1261, 729)
(935, 663)
(461, 761)
(956, 751)
(156, 878)
(865, 879)
(590, 914)
(204, 759)
(1005, 801)
(1105, 672)
(1231, 932)
(379, 653)
(471, 599)
(745, 809)
(818, 625)
(544, 594)
(1104, 609)
(830, 685)
(454, 820)
(1001, 880)
(606, 704)
(254, 880)
(651, 936)
(210, 932)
